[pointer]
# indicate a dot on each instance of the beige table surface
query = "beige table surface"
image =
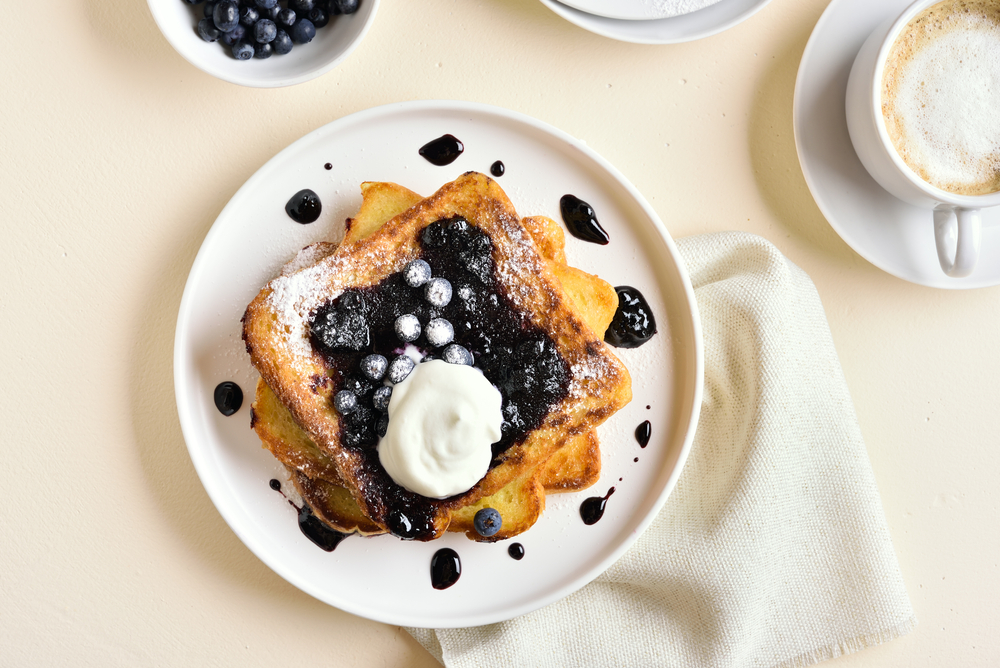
(116, 156)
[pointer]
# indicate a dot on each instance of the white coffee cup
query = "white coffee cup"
(957, 220)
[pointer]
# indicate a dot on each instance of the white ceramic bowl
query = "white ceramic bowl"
(178, 22)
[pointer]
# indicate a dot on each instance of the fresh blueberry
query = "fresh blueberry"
(269, 12)
(319, 17)
(407, 328)
(243, 50)
(286, 18)
(303, 31)
(382, 425)
(302, 7)
(263, 51)
(248, 15)
(282, 43)
(210, 10)
(434, 235)
(343, 6)
(207, 30)
(487, 522)
(416, 273)
(374, 366)
(380, 399)
(456, 354)
(226, 15)
(437, 292)
(400, 368)
(233, 36)
(346, 402)
(267, 4)
(439, 332)
(265, 31)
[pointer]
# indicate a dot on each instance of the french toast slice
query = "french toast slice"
(275, 331)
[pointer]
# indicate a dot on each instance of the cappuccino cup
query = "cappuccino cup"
(923, 112)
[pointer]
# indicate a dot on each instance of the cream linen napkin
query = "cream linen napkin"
(773, 548)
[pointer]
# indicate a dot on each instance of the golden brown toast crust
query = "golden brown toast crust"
(274, 330)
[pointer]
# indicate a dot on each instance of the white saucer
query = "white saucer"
(673, 30)
(636, 10)
(894, 236)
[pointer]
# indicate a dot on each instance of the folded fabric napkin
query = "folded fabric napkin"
(773, 548)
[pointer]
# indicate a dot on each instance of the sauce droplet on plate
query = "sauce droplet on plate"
(442, 151)
(581, 221)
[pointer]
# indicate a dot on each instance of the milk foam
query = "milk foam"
(941, 99)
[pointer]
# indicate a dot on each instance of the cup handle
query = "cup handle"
(961, 230)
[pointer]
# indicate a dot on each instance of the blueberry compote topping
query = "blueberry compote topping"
(442, 151)
(581, 221)
(633, 323)
(304, 207)
(446, 567)
(228, 397)
(515, 355)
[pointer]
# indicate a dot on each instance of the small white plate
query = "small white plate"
(178, 22)
(383, 578)
(685, 28)
(891, 234)
(638, 10)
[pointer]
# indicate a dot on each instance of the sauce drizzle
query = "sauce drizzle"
(592, 509)
(442, 151)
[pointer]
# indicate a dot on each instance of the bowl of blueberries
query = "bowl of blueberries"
(264, 43)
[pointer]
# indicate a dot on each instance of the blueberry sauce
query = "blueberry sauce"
(328, 166)
(643, 432)
(446, 568)
(581, 221)
(516, 551)
(319, 532)
(515, 355)
(304, 207)
(442, 151)
(228, 397)
(636, 459)
(592, 509)
(633, 323)
(497, 169)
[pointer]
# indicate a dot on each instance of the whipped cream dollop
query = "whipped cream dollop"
(443, 418)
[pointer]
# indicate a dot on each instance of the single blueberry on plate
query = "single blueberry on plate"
(263, 51)
(380, 398)
(226, 15)
(343, 6)
(248, 15)
(416, 273)
(282, 43)
(207, 30)
(439, 332)
(487, 522)
(400, 368)
(303, 31)
(346, 402)
(374, 366)
(233, 36)
(286, 18)
(437, 292)
(265, 31)
(243, 50)
(319, 17)
(456, 354)
(407, 328)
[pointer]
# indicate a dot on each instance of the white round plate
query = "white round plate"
(178, 21)
(684, 28)
(384, 578)
(637, 10)
(891, 234)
